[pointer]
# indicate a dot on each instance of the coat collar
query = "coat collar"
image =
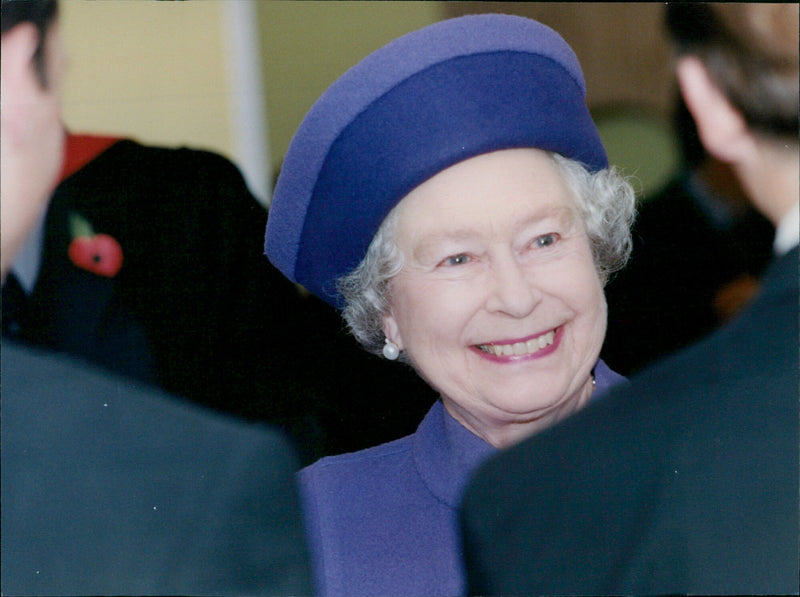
(446, 453)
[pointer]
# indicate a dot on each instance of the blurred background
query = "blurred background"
(237, 76)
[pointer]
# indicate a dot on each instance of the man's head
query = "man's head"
(32, 65)
(751, 53)
(738, 72)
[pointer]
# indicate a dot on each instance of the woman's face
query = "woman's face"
(498, 305)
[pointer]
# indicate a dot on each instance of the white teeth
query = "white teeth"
(521, 348)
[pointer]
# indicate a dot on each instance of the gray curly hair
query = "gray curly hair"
(605, 201)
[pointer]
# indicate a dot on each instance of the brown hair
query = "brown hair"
(751, 52)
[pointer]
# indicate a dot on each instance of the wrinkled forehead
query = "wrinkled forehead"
(513, 188)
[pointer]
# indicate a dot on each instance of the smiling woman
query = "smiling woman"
(472, 240)
(496, 267)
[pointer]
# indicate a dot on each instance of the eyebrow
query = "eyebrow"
(430, 241)
(563, 214)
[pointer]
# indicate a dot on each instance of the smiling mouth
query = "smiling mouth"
(520, 348)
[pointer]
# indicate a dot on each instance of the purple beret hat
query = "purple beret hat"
(424, 102)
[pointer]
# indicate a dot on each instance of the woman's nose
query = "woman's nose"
(511, 289)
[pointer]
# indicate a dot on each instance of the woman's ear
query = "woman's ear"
(722, 128)
(391, 330)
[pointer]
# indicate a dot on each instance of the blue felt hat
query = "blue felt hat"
(428, 100)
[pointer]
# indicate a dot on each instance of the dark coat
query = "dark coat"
(198, 310)
(686, 481)
(111, 488)
(683, 262)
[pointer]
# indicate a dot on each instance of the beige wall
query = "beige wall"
(158, 71)
(621, 46)
(630, 86)
(152, 70)
(307, 45)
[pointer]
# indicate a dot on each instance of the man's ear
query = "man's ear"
(391, 330)
(18, 76)
(721, 127)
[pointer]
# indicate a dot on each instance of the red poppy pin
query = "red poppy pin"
(100, 254)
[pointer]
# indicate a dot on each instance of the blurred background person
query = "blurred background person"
(148, 261)
(450, 194)
(108, 487)
(685, 481)
(699, 251)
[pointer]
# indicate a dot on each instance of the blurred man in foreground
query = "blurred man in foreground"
(687, 480)
(109, 487)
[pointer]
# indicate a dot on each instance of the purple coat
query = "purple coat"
(384, 521)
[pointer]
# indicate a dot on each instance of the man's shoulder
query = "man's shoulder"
(88, 456)
(133, 174)
(130, 154)
(47, 392)
(663, 400)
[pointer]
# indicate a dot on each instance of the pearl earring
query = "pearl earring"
(391, 350)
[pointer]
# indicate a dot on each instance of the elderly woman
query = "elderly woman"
(451, 195)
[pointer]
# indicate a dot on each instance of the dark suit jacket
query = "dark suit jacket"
(664, 299)
(110, 488)
(685, 481)
(197, 308)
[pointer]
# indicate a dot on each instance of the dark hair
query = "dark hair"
(756, 67)
(40, 13)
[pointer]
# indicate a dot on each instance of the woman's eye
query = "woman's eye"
(456, 260)
(545, 240)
